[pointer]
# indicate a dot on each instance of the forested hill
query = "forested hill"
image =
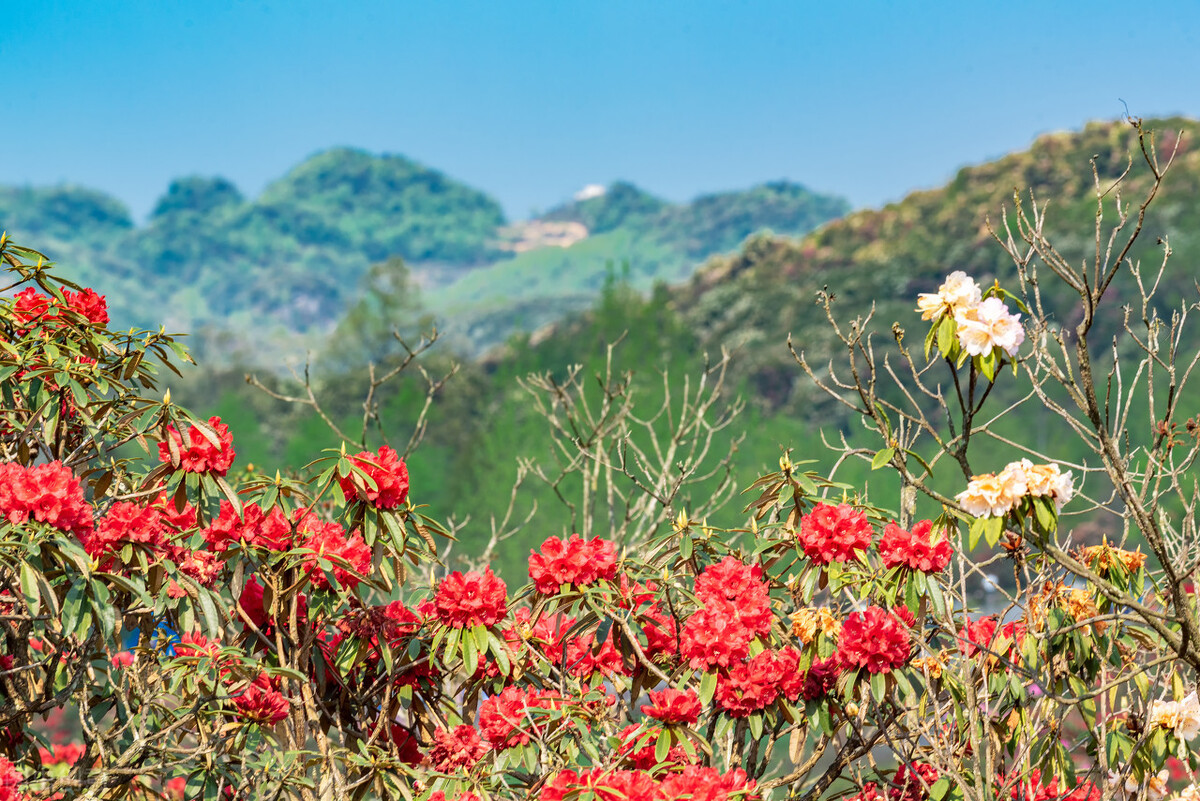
(754, 298)
(254, 273)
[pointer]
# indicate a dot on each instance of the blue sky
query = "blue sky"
(530, 100)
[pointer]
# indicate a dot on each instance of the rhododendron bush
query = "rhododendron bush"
(178, 625)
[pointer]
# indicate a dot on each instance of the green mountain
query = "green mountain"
(647, 239)
(258, 276)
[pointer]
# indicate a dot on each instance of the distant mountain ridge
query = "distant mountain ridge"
(289, 263)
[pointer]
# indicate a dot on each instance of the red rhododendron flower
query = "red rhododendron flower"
(251, 602)
(474, 599)
(505, 720)
(707, 784)
(662, 640)
(834, 533)
(49, 493)
(195, 644)
(572, 561)
(200, 454)
(582, 662)
(732, 582)
(983, 635)
(821, 678)
(124, 523)
(388, 475)
(875, 639)
(751, 686)
(914, 549)
(912, 782)
(715, 637)
(601, 785)
(87, 304)
(31, 306)
(62, 754)
(261, 702)
(674, 706)
(440, 795)
(456, 749)
(270, 531)
(327, 539)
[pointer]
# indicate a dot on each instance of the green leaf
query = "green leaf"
(30, 589)
(882, 458)
(878, 686)
(685, 547)
(708, 688)
(663, 746)
(939, 789)
(946, 335)
(756, 725)
(470, 655)
(992, 529)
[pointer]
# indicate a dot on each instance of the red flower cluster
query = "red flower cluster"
(200, 454)
(30, 307)
(756, 684)
(262, 702)
(456, 749)
(1033, 788)
(914, 549)
(10, 779)
(875, 639)
(474, 599)
(674, 706)
(834, 533)
(912, 782)
(269, 531)
(737, 608)
(49, 493)
(572, 561)
(714, 637)
(388, 485)
(328, 539)
(505, 719)
(694, 782)
(820, 678)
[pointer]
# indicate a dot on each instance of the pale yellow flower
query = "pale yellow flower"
(1181, 717)
(989, 325)
(1048, 479)
(957, 294)
(992, 495)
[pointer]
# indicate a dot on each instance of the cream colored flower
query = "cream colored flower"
(1156, 787)
(1181, 717)
(989, 325)
(993, 495)
(957, 294)
(1048, 479)
(1190, 793)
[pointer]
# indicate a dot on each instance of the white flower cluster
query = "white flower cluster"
(995, 494)
(981, 324)
(1181, 717)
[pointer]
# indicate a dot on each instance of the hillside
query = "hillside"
(642, 237)
(754, 298)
